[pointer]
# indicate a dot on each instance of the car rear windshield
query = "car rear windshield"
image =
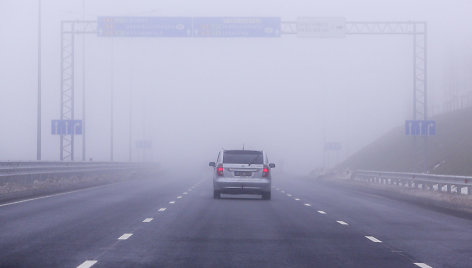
(242, 157)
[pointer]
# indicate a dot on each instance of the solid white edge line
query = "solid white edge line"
(125, 236)
(321, 212)
(87, 264)
(148, 219)
(422, 265)
(373, 239)
(342, 222)
(162, 209)
(42, 197)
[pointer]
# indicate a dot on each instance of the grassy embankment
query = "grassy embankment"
(449, 152)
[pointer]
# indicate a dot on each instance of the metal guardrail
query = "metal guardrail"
(41, 169)
(428, 182)
(23, 179)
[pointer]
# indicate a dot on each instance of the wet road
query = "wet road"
(172, 221)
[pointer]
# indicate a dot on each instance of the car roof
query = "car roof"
(242, 151)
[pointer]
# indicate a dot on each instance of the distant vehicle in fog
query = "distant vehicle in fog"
(242, 172)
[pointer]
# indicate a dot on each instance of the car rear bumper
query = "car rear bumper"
(242, 185)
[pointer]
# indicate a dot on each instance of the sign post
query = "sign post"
(424, 128)
(143, 145)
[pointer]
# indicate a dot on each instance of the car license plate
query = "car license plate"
(243, 173)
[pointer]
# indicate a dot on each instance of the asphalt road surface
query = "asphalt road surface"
(173, 221)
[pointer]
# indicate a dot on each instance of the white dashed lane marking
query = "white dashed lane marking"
(148, 220)
(289, 195)
(297, 199)
(90, 263)
(422, 265)
(373, 239)
(124, 236)
(87, 264)
(308, 205)
(342, 222)
(321, 212)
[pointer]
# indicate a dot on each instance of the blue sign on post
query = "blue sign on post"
(66, 127)
(188, 27)
(145, 26)
(143, 144)
(420, 127)
(236, 27)
(332, 146)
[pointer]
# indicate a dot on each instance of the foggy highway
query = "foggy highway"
(173, 221)
(124, 126)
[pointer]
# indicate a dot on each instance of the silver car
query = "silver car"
(242, 172)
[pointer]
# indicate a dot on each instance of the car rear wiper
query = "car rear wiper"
(253, 160)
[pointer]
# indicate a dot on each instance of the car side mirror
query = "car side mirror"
(212, 164)
(272, 165)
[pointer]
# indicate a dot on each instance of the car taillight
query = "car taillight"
(265, 171)
(219, 170)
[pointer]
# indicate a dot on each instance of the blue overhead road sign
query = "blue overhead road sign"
(144, 26)
(188, 26)
(236, 27)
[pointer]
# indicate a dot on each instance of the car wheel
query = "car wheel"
(266, 196)
(216, 194)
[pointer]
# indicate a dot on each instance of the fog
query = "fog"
(194, 96)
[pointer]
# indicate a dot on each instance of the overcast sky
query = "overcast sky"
(194, 96)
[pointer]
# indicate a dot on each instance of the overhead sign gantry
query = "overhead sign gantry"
(235, 27)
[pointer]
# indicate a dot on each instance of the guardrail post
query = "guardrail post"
(427, 182)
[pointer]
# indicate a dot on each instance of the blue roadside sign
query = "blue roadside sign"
(420, 127)
(143, 144)
(66, 127)
(332, 146)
